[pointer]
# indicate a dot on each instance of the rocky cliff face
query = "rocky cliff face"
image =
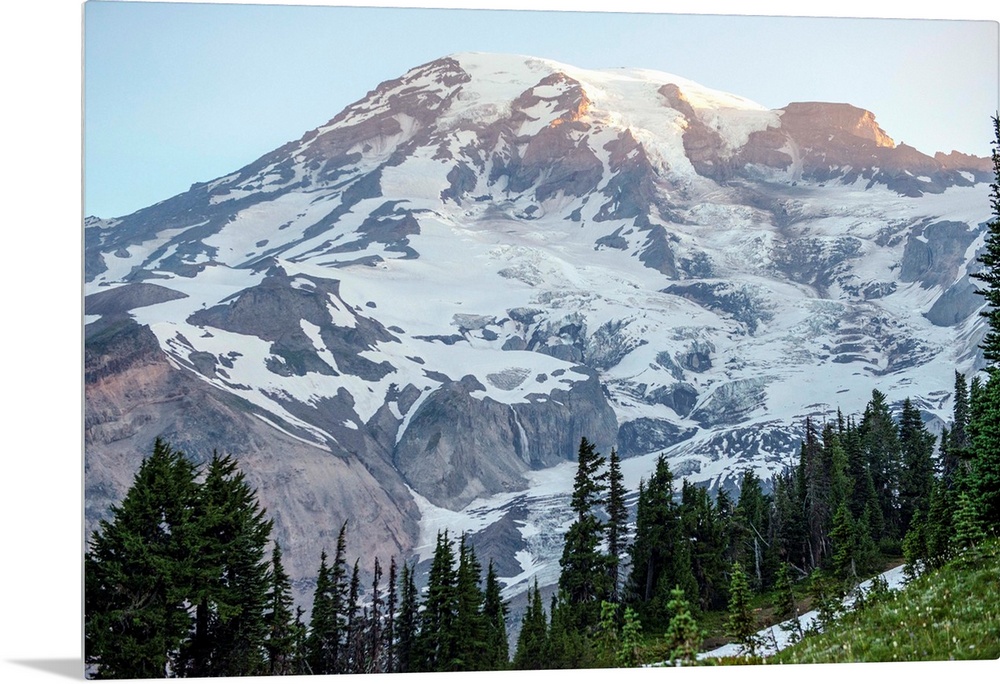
(134, 394)
(409, 317)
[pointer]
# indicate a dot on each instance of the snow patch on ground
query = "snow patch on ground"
(776, 637)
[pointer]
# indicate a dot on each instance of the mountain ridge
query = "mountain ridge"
(452, 281)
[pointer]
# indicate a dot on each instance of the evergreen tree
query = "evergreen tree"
(836, 463)
(328, 624)
(436, 642)
(750, 520)
(300, 663)
(789, 521)
(866, 555)
(617, 521)
(389, 633)
(660, 554)
(683, 636)
(628, 652)
(353, 651)
(529, 653)
(955, 448)
(915, 545)
(861, 493)
(135, 611)
(740, 622)
(815, 487)
(939, 528)
(407, 624)
(968, 524)
(495, 610)
(945, 465)
(843, 540)
(990, 259)
(916, 477)
(339, 598)
(568, 645)
(373, 653)
(880, 444)
(323, 642)
(470, 621)
(706, 532)
(984, 471)
(177, 581)
(606, 636)
(282, 628)
(808, 486)
(229, 587)
(584, 577)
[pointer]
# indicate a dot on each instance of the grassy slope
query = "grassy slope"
(949, 614)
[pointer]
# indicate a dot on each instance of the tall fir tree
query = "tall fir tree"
(568, 645)
(939, 527)
(740, 621)
(470, 621)
(916, 477)
(956, 447)
(495, 611)
(229, 591)
(282, 628)
(813, 486)
(531, 647)
(391, 603)
(867, 556)
(327, 628)
(787, 607)
(968, 524)
(789, 521)
(407, 623)
(984, 472)
(436, 642)
(660, 554)
(836, 465)
(862, 489)
(352, 654)
(844, 545)
(750, 519)
(584, 577)
(373, 658)
(135, 611)
(617, 525)
(706, 532)
(323, 640)
(880, 444)
(177, 582)
(984, 424)
(301, 664)
(989, 257)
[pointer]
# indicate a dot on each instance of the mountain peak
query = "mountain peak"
(460, 275)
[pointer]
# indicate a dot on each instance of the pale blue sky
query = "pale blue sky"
(182, 93)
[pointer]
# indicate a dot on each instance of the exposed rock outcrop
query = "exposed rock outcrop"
(457, 446)
(133, 395)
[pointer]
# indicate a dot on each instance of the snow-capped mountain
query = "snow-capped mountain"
(409, 317)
